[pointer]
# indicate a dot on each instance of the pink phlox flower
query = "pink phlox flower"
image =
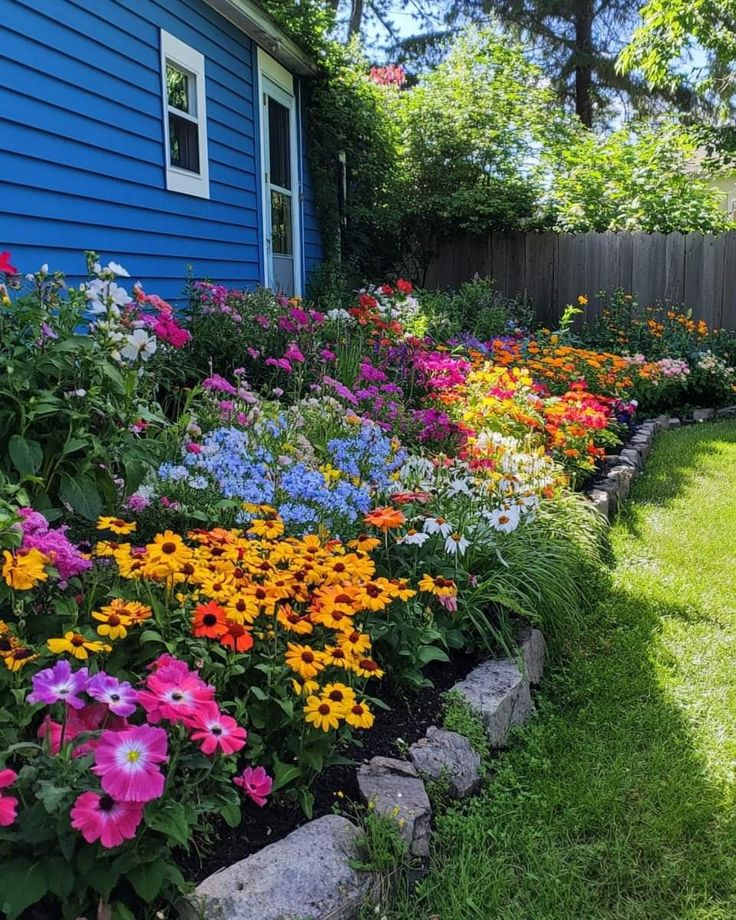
(341, 390)
(220, 384)
(256, 783)
(8, 803)
(52, 542)
(101, 817)
(213, 729)
(281, 363)
(327, 354)
(263, 321)
(127, 763)
(294, 353)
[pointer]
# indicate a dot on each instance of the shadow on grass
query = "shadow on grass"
(603, 808)
(672, 465)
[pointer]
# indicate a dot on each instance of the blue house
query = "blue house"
(164, 134)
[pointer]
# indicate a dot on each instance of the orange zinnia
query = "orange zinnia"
(385, 518)
(210, 621)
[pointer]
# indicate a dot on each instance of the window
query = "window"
(185, 118)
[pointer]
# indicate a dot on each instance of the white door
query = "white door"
(281, 200)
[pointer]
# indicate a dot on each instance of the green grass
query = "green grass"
(617, 801)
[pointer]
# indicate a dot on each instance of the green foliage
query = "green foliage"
(459, 717)
(469, 130)
(638, 178)
(476, 307)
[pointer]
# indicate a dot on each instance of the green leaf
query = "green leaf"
(230, 813)
(148, 878)
(82, 495)
(121, 912)
(283, 774)
(27, 455)
(429, 653)
(170, 819)
(149, 635)
(22, 883)
(51, 795)
(59, 877)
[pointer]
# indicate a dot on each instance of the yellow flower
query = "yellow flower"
(308, 688)
(582, 300)
(322, 713)
(24, 570)
(270, 528)
(304, 660)
(116, 525)
(77, 645)
(359, 715)
(339, 695)
(18, 658)
(113, 623)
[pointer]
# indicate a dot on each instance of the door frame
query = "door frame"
(269, 70)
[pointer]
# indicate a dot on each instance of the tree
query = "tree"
(641, 177)
(471, 134)
(671, 29)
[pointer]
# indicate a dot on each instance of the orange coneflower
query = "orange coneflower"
(237, 638)
(385, 518)
(209, 621)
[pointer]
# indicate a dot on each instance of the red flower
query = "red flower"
(209, 621)
(406, 287)
(5, 267)
(237, 638)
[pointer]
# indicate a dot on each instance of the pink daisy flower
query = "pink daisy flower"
(213, 729)
(127, 763)
(100, 817)
(8, 803)
(256, 783)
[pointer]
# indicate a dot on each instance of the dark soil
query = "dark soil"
(407, 719)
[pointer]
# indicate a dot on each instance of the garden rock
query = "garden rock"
(499, 693)
(675, 423)
(533, 650)
(630, 457)
(642, 445)
(600, 499)
(396, 791)
(305, 875)
(703, 415)
(622, 475)
(726, 412)
(448, 757)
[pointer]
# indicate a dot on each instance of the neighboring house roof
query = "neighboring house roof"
(255, 22)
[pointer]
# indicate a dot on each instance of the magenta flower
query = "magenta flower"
(59, 684)
(213, 729)
(256, 783)
(119, 696)
(127, 763)
(174, 692)
(220, 384)
(52, 542)
(8, 803)
(327, 354)
(294, 353)
(100, 817)
(281, 363)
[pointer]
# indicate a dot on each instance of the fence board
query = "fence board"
(553, 269)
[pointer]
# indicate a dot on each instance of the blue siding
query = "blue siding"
(82, 145)
(311, 235)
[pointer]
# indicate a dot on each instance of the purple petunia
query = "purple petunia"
(59, 684)
(119, 696)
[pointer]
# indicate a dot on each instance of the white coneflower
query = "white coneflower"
(438, 525)
(414, 538)
(456, 544)
(505, 520)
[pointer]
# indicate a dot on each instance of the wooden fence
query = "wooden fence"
(553, 269)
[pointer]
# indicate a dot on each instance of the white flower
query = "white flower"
(116, 269)
(505, 520)
(456, 543)
(438, 525)
(414, 538)
(139, 344)
(458, 486)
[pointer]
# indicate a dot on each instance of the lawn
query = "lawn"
(618, 800)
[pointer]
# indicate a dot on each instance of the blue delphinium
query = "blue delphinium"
(368, 454)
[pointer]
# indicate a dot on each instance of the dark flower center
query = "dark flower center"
(168, 547)
(209, 619)
(106, 803)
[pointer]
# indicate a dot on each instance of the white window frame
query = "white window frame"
(270, 70)
(182, 56)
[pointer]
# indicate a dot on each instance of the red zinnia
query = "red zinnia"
(210, 621)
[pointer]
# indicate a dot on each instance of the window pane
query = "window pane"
(281, 236)
(279, 146)
(183, 143)
(177, 86)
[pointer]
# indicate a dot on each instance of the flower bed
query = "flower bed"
(224, 534)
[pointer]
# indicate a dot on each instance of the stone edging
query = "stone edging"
(310, 874)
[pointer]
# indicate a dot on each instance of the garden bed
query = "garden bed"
(232, 538)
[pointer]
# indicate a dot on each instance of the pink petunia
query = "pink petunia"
(213, 729)
(256, 783)
(8, 803)
(127, 763)
(100, 817)
(174, 692)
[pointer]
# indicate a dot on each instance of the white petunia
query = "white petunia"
(414, 538)
(505, 520)
(438, 525)
(456, 544)
(117, 269)
(139, 344)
